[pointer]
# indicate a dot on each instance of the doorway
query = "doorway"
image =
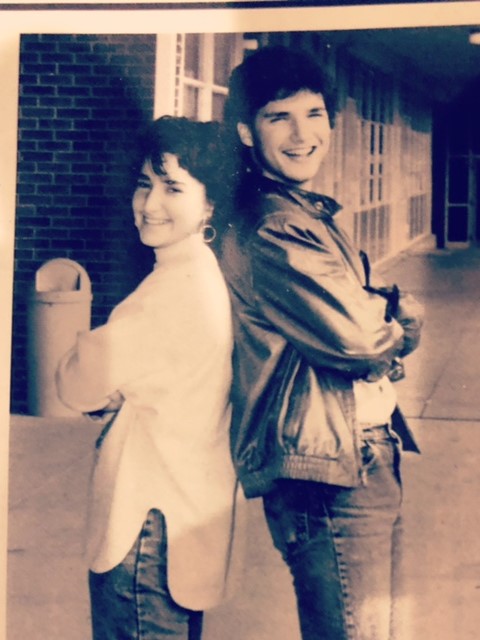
(458, 221)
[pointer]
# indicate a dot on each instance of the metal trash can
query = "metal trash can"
(59, 307)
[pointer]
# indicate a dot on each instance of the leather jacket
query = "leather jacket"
(305, 329)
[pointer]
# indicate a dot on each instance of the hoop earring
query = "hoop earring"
(209, 233)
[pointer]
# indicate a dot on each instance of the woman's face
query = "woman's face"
(168, 208)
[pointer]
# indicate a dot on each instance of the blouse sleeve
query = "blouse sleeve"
(103, 361)
(161, 332)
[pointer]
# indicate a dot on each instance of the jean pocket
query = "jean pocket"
(289, 523)
(379, 453)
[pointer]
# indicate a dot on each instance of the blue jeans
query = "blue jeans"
(341, 545)
(132, 601)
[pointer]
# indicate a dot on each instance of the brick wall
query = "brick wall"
(81, 99)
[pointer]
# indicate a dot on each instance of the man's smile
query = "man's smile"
(300, 152)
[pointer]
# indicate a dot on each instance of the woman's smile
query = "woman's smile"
(155, 221)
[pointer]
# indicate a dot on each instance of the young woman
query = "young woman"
(163, 492)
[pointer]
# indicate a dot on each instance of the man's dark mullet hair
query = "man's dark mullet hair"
(275, 73)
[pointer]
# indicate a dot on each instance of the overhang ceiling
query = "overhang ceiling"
(438, 60)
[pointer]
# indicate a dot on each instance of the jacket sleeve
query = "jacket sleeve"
(308, 291)
(408, 312)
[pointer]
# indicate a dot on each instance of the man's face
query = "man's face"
(290, 138)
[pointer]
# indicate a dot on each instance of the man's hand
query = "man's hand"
(410, 316)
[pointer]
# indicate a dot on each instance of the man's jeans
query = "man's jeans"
(341, 545)
(132, 601)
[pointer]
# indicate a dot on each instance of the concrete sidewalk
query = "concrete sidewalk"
(51, 461)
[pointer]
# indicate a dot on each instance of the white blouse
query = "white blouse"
(167, 348)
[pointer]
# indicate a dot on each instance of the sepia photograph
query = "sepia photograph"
(239, 280)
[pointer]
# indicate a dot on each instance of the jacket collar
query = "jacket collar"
(317, 204)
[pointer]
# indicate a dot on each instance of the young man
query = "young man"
(312, 427)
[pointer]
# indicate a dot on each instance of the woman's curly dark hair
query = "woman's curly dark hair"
(198, 147)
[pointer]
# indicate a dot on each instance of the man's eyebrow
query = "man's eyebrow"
(282, 114)
(275, 114)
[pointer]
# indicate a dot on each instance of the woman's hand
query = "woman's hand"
(115, 403)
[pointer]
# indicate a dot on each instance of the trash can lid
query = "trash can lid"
(62, 279)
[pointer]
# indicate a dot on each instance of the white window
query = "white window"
(371, 223)
(206, 61)
(416, 161)
(193, 71)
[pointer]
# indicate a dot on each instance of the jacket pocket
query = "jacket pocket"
(315, 421)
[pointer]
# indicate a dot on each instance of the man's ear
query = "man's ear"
(245, 134)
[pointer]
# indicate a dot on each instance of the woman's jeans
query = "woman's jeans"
(132, 601)
(341, 545)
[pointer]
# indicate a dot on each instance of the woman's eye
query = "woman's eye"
(143, 184)
(172, 187)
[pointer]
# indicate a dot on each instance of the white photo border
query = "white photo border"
(149, 20)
